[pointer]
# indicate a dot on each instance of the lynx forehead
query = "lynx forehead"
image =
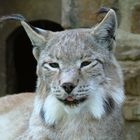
(73, 45)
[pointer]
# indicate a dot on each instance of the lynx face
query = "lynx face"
(77, 71)
(74, 67)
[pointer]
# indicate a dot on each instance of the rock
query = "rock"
(131, 70)
(128, 52)
(132, 129)
(132, 108)
(126, 41)
(82, 13)
(135, 19)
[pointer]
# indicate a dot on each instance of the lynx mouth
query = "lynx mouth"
(73, 102)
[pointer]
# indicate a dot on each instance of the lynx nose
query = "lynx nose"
(68, 87)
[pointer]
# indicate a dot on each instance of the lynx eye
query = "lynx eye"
(50, 65)
(54, 65)
(85, 63)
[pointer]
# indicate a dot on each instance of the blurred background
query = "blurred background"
(17, 65)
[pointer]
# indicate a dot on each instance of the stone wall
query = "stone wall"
(81, 13)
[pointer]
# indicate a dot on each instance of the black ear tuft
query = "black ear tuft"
(102, 10)
(106, 10)
(17, 17)
(37, 36)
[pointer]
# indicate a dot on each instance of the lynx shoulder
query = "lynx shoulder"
(79, 94)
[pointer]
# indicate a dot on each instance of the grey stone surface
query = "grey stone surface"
(132, 108)
(132, 130)
(82, 13)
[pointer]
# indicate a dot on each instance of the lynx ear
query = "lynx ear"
(104, 32)
(37, 36)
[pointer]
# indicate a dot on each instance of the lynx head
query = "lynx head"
(77, 71)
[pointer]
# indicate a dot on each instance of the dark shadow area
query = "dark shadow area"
(21, 65)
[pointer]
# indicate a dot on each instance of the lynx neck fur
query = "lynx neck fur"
(79, 92)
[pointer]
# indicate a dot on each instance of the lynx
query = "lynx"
(79, 94)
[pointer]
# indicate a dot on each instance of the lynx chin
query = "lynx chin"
(79, 93)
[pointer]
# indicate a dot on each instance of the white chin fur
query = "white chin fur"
(54, 110)
(96, 104)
